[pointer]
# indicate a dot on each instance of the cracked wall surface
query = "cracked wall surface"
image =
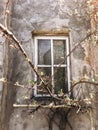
(46, 15)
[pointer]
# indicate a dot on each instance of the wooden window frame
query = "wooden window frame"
(66, 38)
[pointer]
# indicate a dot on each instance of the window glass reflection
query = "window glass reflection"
(44, 52)
(59, 50)
(45, 72)
(60, 80)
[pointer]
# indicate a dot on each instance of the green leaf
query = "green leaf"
(32, 81)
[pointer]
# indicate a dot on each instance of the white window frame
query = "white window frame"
(52, 66)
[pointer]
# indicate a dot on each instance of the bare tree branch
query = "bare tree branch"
(41, 106)
(12, 37)
(6, 12)
(81, 82)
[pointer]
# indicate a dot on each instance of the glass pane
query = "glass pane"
(59, 49)
(45, 72)
(60, 80)
(44, 52)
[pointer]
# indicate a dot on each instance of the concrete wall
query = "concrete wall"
(2, 40)
(47, 15)
(29, 15)
(4, 65)
(2, 56)
(1, 66)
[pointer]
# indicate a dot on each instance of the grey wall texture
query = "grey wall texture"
(2, 49)
(30, 15)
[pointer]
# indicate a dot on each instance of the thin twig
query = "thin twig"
(81, 82)
(6, 11)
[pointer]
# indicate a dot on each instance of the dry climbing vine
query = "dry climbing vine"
(60, 106)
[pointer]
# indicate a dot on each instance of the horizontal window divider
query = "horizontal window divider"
(60, 66)
(47, 96)
(51, 65)
(44, 65)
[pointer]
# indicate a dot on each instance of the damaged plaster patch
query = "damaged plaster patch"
(79, 53)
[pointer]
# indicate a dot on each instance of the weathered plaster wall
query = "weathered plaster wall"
(29, 15)
(5, 64)
(2, 40)
(1, 66)
(46, 15)
(2, 55)
(94, 26)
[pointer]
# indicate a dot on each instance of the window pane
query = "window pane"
(59, 49)
(46, 75)
(60, 80)
(44, 52)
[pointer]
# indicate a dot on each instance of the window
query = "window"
(51, 62)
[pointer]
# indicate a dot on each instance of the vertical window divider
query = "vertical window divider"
(52, 67)
(68, 63)
(36, 63)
